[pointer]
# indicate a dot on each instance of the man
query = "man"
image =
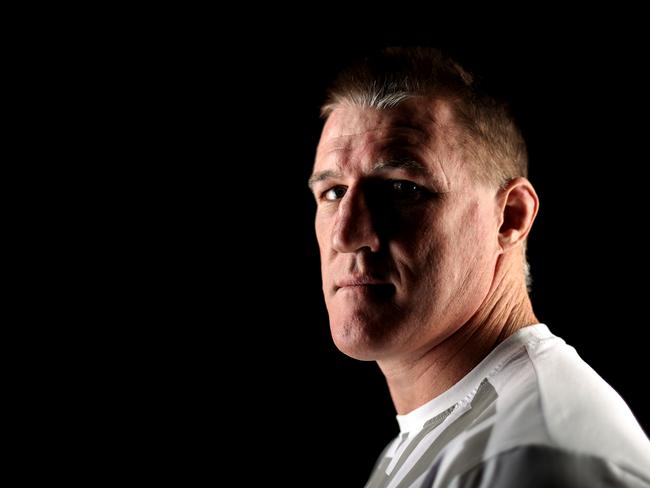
(423, 210)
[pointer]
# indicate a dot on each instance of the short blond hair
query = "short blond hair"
(489, 135)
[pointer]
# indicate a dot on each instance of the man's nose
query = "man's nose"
(354, 228)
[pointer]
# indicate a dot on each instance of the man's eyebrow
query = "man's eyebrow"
(322, 175)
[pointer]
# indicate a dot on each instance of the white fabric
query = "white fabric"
(542, 394)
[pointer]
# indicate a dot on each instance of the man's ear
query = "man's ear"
(518, 203)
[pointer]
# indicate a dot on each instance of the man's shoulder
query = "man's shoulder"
(549, 396)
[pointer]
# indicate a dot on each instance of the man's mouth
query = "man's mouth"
(365, 284)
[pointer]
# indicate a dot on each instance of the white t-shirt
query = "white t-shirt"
(532, 413)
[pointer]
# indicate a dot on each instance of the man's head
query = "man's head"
(423, 205)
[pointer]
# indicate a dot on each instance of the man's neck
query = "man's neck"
(415, 380)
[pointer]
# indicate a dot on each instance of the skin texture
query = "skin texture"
(421, 264)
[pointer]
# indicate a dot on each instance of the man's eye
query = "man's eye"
(335, 193)
(405, 190)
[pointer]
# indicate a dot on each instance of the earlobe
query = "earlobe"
(519, 206)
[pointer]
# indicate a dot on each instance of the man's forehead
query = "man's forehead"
(419, 117)
(413, 125)
(347, 123)
(383, 138)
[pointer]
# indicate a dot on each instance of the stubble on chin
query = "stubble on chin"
(363, 334)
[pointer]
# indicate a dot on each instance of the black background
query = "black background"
(219, 335)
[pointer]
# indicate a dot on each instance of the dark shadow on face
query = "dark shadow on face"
(397, 208)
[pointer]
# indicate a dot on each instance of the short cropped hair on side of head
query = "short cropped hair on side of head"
(491, 140)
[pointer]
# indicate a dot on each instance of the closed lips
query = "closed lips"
(353, 282)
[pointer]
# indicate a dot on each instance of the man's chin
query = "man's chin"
(360, 340)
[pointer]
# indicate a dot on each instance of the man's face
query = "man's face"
(408, 240)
